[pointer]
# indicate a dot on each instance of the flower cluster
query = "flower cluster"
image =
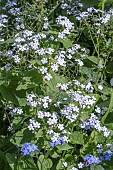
(93, 122)
(59, 141)
(55, 71)
(27, 148)
(33, 124)
(64, 21)
(90, 159)
(106, 155)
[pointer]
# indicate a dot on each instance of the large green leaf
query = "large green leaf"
(21, 137)
(26, 163)
(109, 67)
(44, 163)
(66, 42)
(64, 147)
(93, 59)
(3, 162)
(59, 165)
(76, 138)
(7, 94)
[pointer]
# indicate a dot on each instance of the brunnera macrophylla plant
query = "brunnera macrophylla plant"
(56, 79)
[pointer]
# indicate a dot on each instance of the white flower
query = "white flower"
(33, 124)
(54, 67)
(100, 87)
(43, 70)
(52, 121)
(74, 168)
(45, 105)
(16, 59)
(48, 76)
(79, 62)
(80, 165)
(40, 114)
(10, 127)
(69, 56)
(61, 61)
(106, 18)
(66, 139)
(61, 126)
(65, 164)
(46, 25)
(61, 35)
(98, 110)
(30, 127)
(47, 114)
(50, 132)
(33, 103)
(19, 111)
(44, 60)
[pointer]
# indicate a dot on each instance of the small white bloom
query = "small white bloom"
(65, 164)
(100, 87)
(61, 126)
(43, 70)
(80, 165)
(54, 67)
(48, 76)
(44, 60)
(74, 168)
(50, 132)
(45, 105)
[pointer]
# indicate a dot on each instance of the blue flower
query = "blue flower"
(60, 141)
(27, 148)
(107, 155)
(90, 159)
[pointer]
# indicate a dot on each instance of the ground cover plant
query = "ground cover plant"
(56, 85)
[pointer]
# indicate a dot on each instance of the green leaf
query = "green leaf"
(43, 163)
(11, 159)
(22, 101)
(8, 94)
(90, 3)
(109, 118)
(2, 82)
(66, 42)
(21, 137)
(76, 138)
(40, 161)
(109, 67)
(108, 43)
(39, 134)
(59, 165)
(3, 162)
(64, 147)
(27, 163)
(22, 86)
(109, 108)
(93, 59)
(69, 158)
(47, 163)
(97, 167)
(111, 82)
(55, 155)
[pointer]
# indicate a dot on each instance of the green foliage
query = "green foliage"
(77, 138)
(56, 73)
